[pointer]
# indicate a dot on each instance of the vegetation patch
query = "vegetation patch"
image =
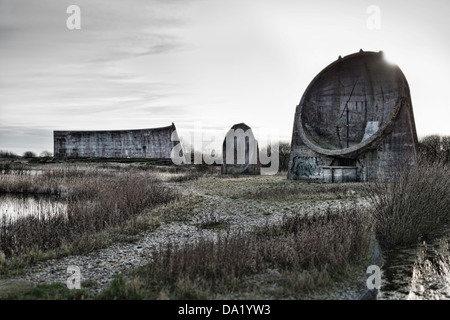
(414, 205)
(300, 255)
(54, 291)
(102, 206)
(211, 220)
(298, 190)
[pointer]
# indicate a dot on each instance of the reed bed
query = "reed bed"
(95, 199)
(414, 205)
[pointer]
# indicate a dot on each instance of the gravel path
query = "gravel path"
(102, 265)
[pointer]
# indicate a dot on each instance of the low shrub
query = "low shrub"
(415, 204)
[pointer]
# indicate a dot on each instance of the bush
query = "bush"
(435, 148)
(8, 155)
(29, 154)
(284, 153)
(414, 205)
(46, 154)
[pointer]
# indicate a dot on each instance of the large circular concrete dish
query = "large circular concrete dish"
(350, 104)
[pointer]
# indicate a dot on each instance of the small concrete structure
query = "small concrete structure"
(354, 122)
(153, 143)
(240, 151)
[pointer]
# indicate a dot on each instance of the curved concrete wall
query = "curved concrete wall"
(155, 143)
(356, 113)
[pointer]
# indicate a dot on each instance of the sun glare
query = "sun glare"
(390, 58)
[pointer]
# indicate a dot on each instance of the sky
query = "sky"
(202, 64)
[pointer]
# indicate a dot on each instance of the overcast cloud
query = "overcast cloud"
(142, 64)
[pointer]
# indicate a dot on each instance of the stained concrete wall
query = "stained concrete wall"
(245, 157)
(155, 143)
(356, 113)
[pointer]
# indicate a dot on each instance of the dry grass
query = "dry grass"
(97, 199)
(289, 260)
(304, 191)
(305, 252)
(187, 176)
(211, 219)
(188, 173)
(415, 205)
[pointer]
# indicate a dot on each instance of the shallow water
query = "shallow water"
(13, 206)
(421, 272)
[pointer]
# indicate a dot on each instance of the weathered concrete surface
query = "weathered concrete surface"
(155, 143)
(358, 113)
(339, 173)
(244, 157)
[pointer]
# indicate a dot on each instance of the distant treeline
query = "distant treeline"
(435, 148)
(8, 155)
(26, 155)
